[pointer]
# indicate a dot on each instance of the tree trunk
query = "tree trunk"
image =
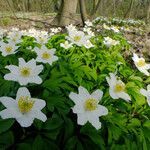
(95, 8)
(128, 13)
(83, 11)
(66, 13)
(148, 14)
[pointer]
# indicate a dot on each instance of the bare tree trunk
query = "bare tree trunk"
(83, 11)
(114, 8)
(66, 12)
(128, 13)
(95, 8)
(28, 5)
(148, 14)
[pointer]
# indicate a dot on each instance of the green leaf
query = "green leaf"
(24, 146)
(5, 124)
(147, 124)
(69, 128)
(134, 122)
(53, 123)
(41, 143)
(6, 140)
(93, 134)
(71, 143)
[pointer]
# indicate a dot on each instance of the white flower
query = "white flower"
(8, 48)
(66, 45)
(26, 72)
(45, 55)
(15, 29)
(87, 107)
(141, 65)
(71, 28)
(15, 36)
(117, 88)
(87, 29)
(55, 30)
(42, 39)
(77, 37)
(106, 27)
(24, 108)
(88, 23)
(88, 44)
(146, 93)
(115, 29)
(110, 42)
(89, 32)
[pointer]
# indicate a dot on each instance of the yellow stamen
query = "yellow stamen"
(141, 63)
(77, 38)
(46, 55)
(41, 40)
(8, 49)
(25, 104)
(90, 104)
(25, 71)
(120, 87)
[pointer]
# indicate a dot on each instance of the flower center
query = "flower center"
(41, 40)
(77, 38)
(66, 44)
(14, 39)
(25, 104)
(16, 35)
(8, 49)
(141, 63)
(25, 71)
(119, 87)
(46, 55)
(90, 104)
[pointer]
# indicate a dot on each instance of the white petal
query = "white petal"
(25, 121)
(97, 94)
(113, 77)
(143, 71)
(23, 81)
(39, 104)
(76, 98)
(112, 80)
(13, 69)
(124, 96)
(148, 87)
(135, 57)
(31, 63)
(23, 91)
(148, 100)
(38, 115)
(101, 111)
(22, 62)
(38, 69)
(108, 80)
(10, 113)
(55, 58)
(147, 66)
(143, 92)
(78, 108)
(10, 77)
(95, 122)
(83, 92)
(8, 102)
(35, 79)
(113, 94)
(82, 119)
